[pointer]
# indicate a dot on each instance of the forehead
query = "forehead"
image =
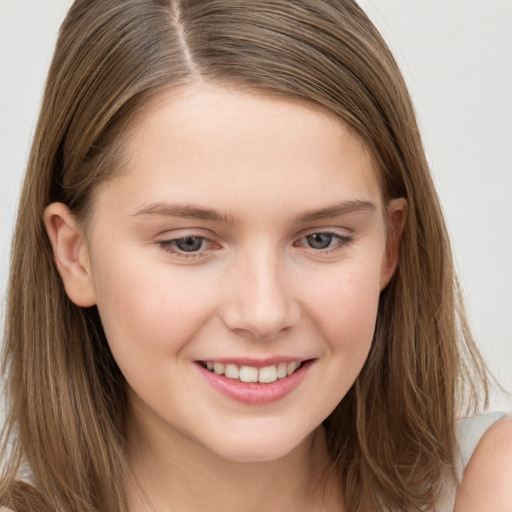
(199, 140)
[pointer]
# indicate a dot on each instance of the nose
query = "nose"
(260, 298)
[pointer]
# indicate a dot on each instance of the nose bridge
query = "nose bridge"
(261, 300)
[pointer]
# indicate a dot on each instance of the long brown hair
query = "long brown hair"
(392, 438)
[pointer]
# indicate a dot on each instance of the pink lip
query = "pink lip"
(253, 393)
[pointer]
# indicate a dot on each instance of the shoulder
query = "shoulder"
(486, 482)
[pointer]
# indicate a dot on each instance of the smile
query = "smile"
(258, 383)
(263, 375)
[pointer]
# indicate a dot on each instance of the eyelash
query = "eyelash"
(170, 246)
(340, 242)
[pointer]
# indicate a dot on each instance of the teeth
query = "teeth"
(291, 367)
(281, 370)
(248, 374)
(264, 375)
(218, 368)
(267, 374)
(232, 371)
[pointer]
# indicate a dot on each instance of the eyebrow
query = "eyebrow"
(186, 211)
(190, 211)
(335, 210)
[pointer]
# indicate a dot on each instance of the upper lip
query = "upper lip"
(256, 363)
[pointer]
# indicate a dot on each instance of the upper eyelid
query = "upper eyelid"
(167, 238)
(338, 236)
(169, 241)
(327, 229)
(178, 233)
(337, 232)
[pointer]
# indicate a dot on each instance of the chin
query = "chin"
(261, 448)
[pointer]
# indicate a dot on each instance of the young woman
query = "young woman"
(232, 287)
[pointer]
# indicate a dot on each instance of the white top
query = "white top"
(469, 432)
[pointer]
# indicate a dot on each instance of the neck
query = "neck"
(173, 473)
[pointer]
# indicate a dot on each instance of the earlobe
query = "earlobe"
(71, 253)
(397, 211)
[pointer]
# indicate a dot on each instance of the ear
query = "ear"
(396, 215)
(71, 253)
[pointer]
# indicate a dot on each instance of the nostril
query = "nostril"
(258, 323)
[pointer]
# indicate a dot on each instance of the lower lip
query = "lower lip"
(254, 393)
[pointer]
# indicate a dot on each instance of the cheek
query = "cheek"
(147, 310)
(344, 307)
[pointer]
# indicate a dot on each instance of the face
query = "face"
(237, 264)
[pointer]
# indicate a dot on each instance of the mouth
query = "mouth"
(255, 382)
(245, 373)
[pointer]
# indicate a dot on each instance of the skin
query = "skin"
(274, 172)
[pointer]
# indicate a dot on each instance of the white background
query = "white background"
(457, 59)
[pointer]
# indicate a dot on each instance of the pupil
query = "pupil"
(319, 240)
(189, 243)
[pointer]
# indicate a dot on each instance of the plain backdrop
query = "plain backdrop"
(456, 56)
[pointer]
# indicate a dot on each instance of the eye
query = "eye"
(190, 243)
(324, 242)
(187, 246)
(320, 240)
